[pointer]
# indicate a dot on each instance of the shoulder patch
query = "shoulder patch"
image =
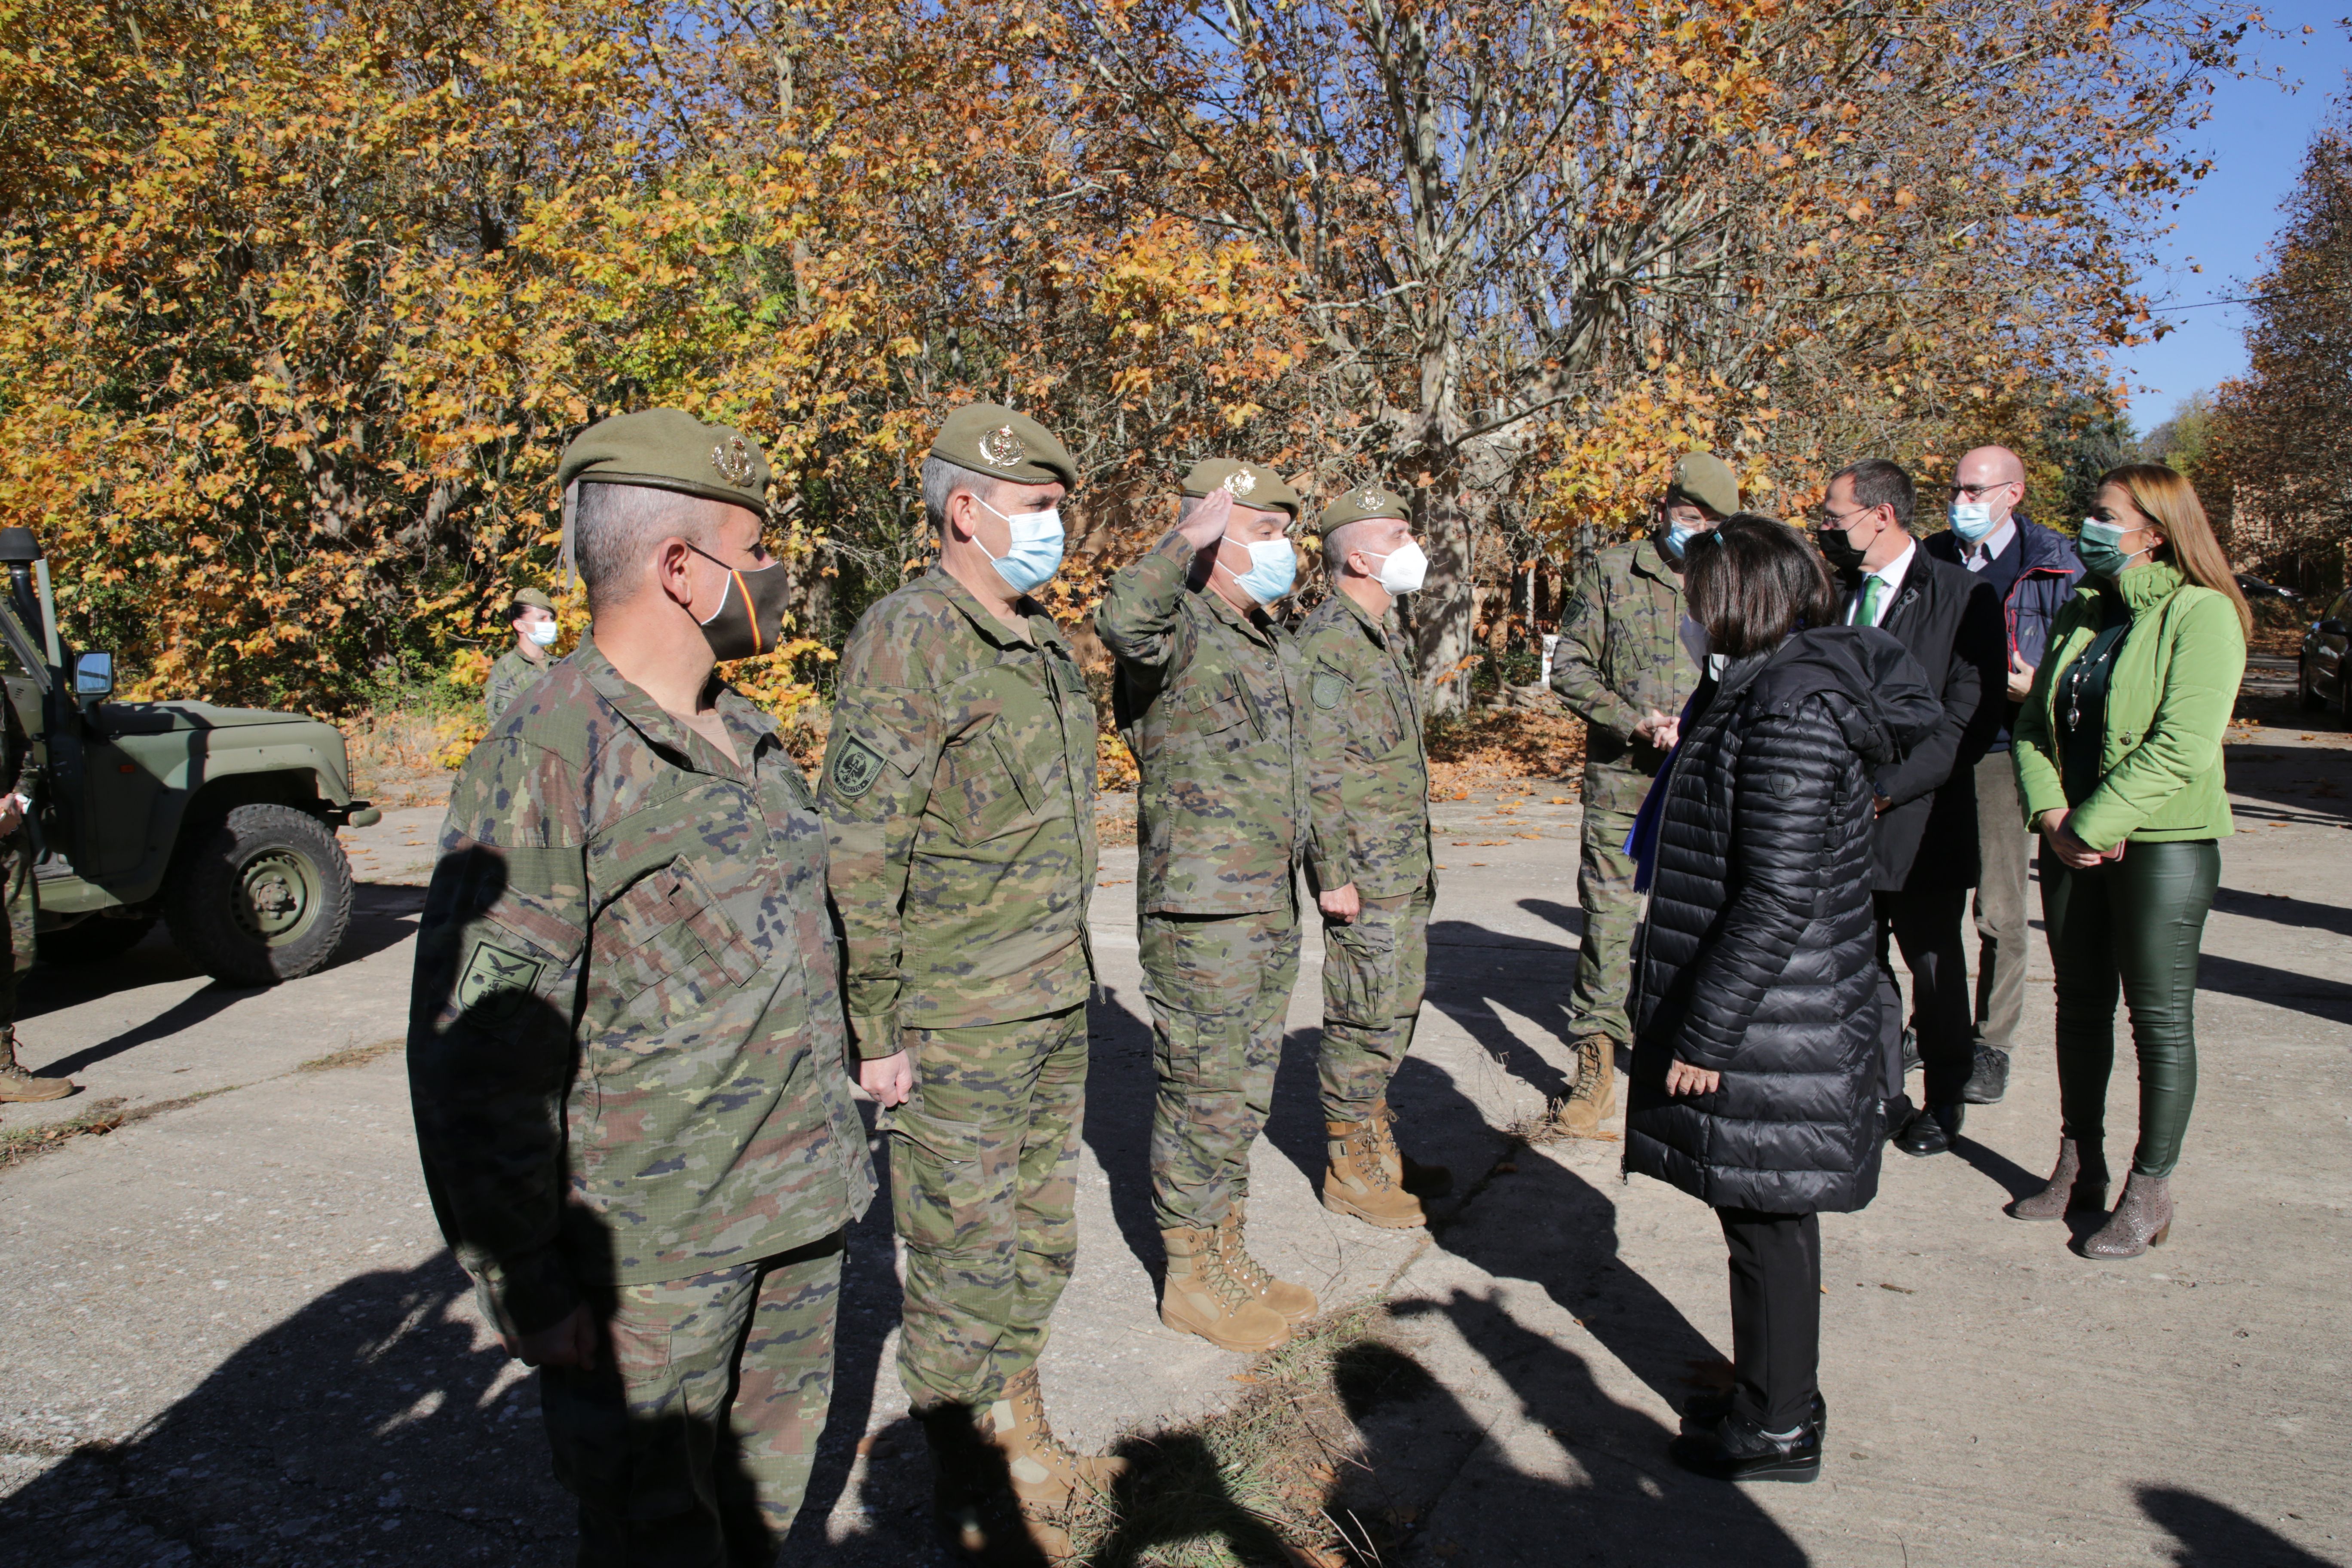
(855, 768)
(1572, 610)
(497, 982)
(1329, 688)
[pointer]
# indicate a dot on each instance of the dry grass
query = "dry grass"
(103, 1118)
(1487, 746)
(1260, 1483)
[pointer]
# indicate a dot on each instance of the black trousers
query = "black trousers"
(1927, 928)
(1776, 1315)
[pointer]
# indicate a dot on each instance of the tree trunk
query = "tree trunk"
(1445, 608)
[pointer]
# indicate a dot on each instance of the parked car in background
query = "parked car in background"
(2253, 587)
(2319, 672)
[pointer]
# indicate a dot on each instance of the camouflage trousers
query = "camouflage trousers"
(689, 1443)
(17, 929)
(984, 1190)
(1219, 987)
(1375, 971)
(1604, 889)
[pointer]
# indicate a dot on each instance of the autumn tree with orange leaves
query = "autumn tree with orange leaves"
(298, 304)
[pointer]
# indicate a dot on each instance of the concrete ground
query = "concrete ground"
(234, 1337)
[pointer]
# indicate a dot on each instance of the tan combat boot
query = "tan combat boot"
(981, 1518)
(1359, 1182)
(1424, 1181)
(1295, 1302)
(1204, 1297)
(1593, 1100)
(18, 1085)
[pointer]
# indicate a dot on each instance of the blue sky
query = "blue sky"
(2255, 139)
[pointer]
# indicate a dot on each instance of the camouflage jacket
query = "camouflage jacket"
(1620, 655)
(1367, 762)
(1207, 700)
(625, 1050)
(509, 677)
(958, 792)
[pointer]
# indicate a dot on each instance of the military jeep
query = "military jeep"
(218, 821)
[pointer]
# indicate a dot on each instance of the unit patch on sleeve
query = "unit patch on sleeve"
(497, 982)
(855, 768)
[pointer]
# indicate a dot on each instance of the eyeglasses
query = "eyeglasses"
(1825, 517)
(1977, 492)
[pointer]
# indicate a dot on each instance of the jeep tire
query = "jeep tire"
(259, 896)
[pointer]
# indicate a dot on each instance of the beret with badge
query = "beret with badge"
(1249, 485)
(989, 438)
(532, 597)
(1704, 478)
(1356, 505)
(669, 450)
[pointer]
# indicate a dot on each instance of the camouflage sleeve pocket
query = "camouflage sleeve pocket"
(871, 742)
(1213, 710)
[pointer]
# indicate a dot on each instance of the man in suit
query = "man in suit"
(2032, 571)
(1924, 850)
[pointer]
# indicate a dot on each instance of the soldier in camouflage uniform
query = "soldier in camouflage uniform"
(517, 671)
(17, 932)
(627, 1052)
(1369, 852)
(1207, 698)
(1621, 665)
(959, 795)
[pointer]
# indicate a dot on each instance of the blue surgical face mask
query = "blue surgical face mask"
(1274, 567)
(2101, 546)
(1034, 555)
(1678, 538)
(1972, 519)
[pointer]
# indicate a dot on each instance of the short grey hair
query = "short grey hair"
(1186, 506)
(615, 527)
(1337, 544)
(943, 479)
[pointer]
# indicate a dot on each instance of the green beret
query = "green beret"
(1356, 505)
(989, 438)
(670, 449)
(533, 597)
(1704, 478)
(1260, 489)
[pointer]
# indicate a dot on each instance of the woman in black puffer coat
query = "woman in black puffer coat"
(1756, 1082)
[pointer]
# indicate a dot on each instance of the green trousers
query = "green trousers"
(2130, 928)
(1375, 969)
(689, 1443)
(984, 1191)
(1604, 963)
(1219, 987)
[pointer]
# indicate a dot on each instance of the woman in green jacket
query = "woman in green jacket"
(2118, 755)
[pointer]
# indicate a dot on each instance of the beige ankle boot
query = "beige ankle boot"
(1204, 1297)
(1359, 1180)
(1593, 1100)
(1295, 1302)
(1044, 1470)
(1424, 1181)
(16, 1085)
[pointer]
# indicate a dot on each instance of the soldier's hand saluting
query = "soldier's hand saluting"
(1207, 524)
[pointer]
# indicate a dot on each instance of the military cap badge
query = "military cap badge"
(1002, 446)
(733, 461)
(1370, 498)
(1240, 482)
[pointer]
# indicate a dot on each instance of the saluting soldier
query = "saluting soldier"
(625, 1046)
(1369, 851)
(532, 616)
(958, 792)
(1621, 667)
(1207, 696)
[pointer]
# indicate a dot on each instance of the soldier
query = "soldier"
(626, 1045)
(1368, 853)
(16, 931)
(1207, 696)
(958, 794)
(1621, 665)
(532, 616)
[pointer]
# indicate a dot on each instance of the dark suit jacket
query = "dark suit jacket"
(1951, 624)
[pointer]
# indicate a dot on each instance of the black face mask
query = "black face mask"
(1839, 550)
(751, 618)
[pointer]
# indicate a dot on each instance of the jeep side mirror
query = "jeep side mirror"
(93, 675)
(2331, 629)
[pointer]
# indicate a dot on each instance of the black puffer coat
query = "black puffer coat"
(1759, 960)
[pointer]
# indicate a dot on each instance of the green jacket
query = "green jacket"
(1366, 764)
(1207, 699)
(1620, 655)
(958, 792)
(509, 677)
(2169, 702)
(626, 1054)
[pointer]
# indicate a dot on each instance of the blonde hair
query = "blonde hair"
(2168, 500)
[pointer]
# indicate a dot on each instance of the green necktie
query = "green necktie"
(1873, 589)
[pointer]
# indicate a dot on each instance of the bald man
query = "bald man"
(2032, 569)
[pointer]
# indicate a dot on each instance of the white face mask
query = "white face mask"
(1403, 569)
(543, 633)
